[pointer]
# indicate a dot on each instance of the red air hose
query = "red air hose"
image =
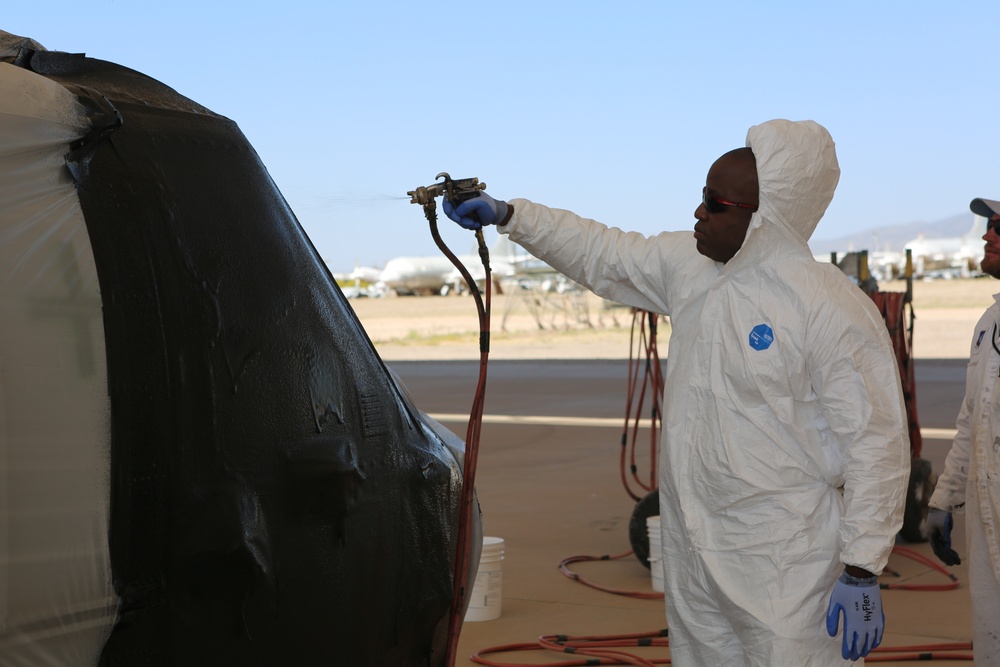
(893, 306)
(647, 362)
(594, 650)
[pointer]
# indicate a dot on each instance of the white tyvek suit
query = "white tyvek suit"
(970, 483)
(781, 389)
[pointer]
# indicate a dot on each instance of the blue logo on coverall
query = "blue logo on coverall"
(761, 337)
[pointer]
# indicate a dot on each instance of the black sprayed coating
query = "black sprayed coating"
(274, 499)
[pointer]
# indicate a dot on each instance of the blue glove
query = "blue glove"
(939, 524)
(477, 212)
(860, 601)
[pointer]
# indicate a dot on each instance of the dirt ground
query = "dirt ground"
(529, 325)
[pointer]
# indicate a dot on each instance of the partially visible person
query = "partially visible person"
(970, 483)
(784, 452)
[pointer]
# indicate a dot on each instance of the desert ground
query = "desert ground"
(531, 325)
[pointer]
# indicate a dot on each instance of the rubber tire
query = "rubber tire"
(638, 534)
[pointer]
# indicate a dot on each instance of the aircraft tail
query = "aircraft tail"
(977, 229)
(505, 249)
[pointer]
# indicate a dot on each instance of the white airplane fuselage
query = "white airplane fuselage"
(416, 275)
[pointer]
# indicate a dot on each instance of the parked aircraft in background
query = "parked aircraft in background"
(437, 275)
(427, 275)
(510, 265)
(417, 275)
(932, 257)
(362, 281)
(949, 257)
(365, 274)
(882, 264)
(514, 269)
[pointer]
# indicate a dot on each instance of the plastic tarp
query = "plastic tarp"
(203, 461)
(56, 601)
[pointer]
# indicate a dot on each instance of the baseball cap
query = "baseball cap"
(985, 207)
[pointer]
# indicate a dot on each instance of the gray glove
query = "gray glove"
(939, 524)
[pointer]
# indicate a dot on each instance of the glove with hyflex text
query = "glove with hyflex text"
(477, 212)
(860, 601)
(939, 524)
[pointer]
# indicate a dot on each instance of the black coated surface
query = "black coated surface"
(274, 499)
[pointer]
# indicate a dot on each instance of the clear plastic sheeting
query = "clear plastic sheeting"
(57, 606)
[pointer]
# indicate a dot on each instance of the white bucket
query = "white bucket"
(655, 553)
(484, 603)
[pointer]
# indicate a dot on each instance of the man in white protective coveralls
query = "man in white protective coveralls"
(784, 455)
(970, 483)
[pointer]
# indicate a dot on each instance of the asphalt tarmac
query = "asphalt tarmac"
(549, 483)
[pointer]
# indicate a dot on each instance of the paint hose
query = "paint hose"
(644, 360)
(464, 540)
(603, 650)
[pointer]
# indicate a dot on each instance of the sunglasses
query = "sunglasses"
(994, 225)
(715, 205)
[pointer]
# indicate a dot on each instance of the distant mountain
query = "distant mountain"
(893, 237)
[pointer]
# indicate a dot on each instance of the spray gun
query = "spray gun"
(455, 191)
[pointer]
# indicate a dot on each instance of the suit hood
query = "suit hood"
(797, 171)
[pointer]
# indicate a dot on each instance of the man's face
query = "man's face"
(991, 251)
(721, 227)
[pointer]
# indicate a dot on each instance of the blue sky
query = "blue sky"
(614, 110)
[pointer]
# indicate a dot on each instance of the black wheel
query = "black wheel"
(638, 534)
(918, 494)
